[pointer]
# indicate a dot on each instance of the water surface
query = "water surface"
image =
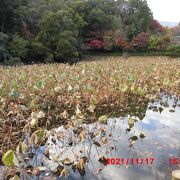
(161, 127)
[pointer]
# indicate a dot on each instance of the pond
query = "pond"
(124, 148)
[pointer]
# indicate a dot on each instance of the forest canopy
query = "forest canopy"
(56, 30)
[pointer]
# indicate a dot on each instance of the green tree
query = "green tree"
(60, 32)
(101, 15)
(18, 47)
(142, 15)
(97, 19)
(10, 16)
(36, 9)
(136, 16)
(5, 57)
(4, 53)
(154, 42)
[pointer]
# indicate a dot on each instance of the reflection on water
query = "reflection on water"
(161, 128)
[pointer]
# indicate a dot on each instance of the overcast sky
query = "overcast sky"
(165, 10)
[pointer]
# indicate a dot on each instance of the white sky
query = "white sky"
(165, 10)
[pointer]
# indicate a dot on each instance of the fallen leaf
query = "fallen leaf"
(141, 135)
(104, 140)
(64, 173)
(82, 136)
(103, 119)
(133, 138)
(21, 148)
(64, 114)
(97, 144)
(15, 178)
(40, 115)
(79, 113)
(9, 159)
(67, 161)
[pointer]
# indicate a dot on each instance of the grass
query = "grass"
(86, 90)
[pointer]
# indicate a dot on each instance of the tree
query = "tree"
(156, 27)
(113, 40)
(101, 15)
(123, 44)
(136, 16)
(96, 44)
(5, 57)
(154, 42)
(176, 30)
(34, 11)
(141, 41)
(60, 32)
(142, 15)
(18, 47)
(173, 50)
(97, 19)
(10, 15)
(109, 40)
(4, 53)
(40, 30)
(67, 45)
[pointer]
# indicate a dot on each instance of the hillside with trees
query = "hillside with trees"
(58, 30)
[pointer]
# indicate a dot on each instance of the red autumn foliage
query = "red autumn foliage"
(156, 26)
(122, 43)
(109, 39)
(96, 44)
(141, 41)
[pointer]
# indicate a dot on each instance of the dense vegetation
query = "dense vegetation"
(57, 30)
(176, 30)
(96, 88)
(32, 103)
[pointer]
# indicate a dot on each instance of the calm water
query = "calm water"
(161, 142)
